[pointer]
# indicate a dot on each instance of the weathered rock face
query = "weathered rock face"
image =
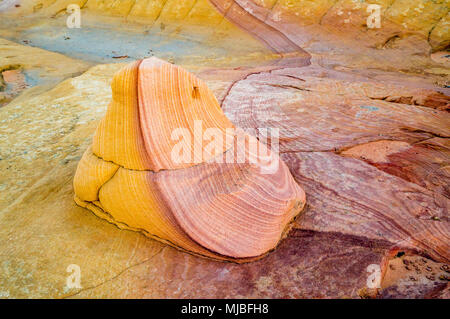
(265, 17)
(344, 118)
(364, 125)
(345, 18)
(209, 205)
(182, 32)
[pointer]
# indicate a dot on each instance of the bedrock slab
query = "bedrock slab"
(306, 265)
(400, 195)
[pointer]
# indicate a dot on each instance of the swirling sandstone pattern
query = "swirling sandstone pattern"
(322, 120)
(217, 209)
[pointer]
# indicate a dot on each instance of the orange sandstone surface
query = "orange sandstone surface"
(218, 209)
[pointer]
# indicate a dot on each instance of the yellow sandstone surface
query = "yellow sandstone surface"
(426, 17)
